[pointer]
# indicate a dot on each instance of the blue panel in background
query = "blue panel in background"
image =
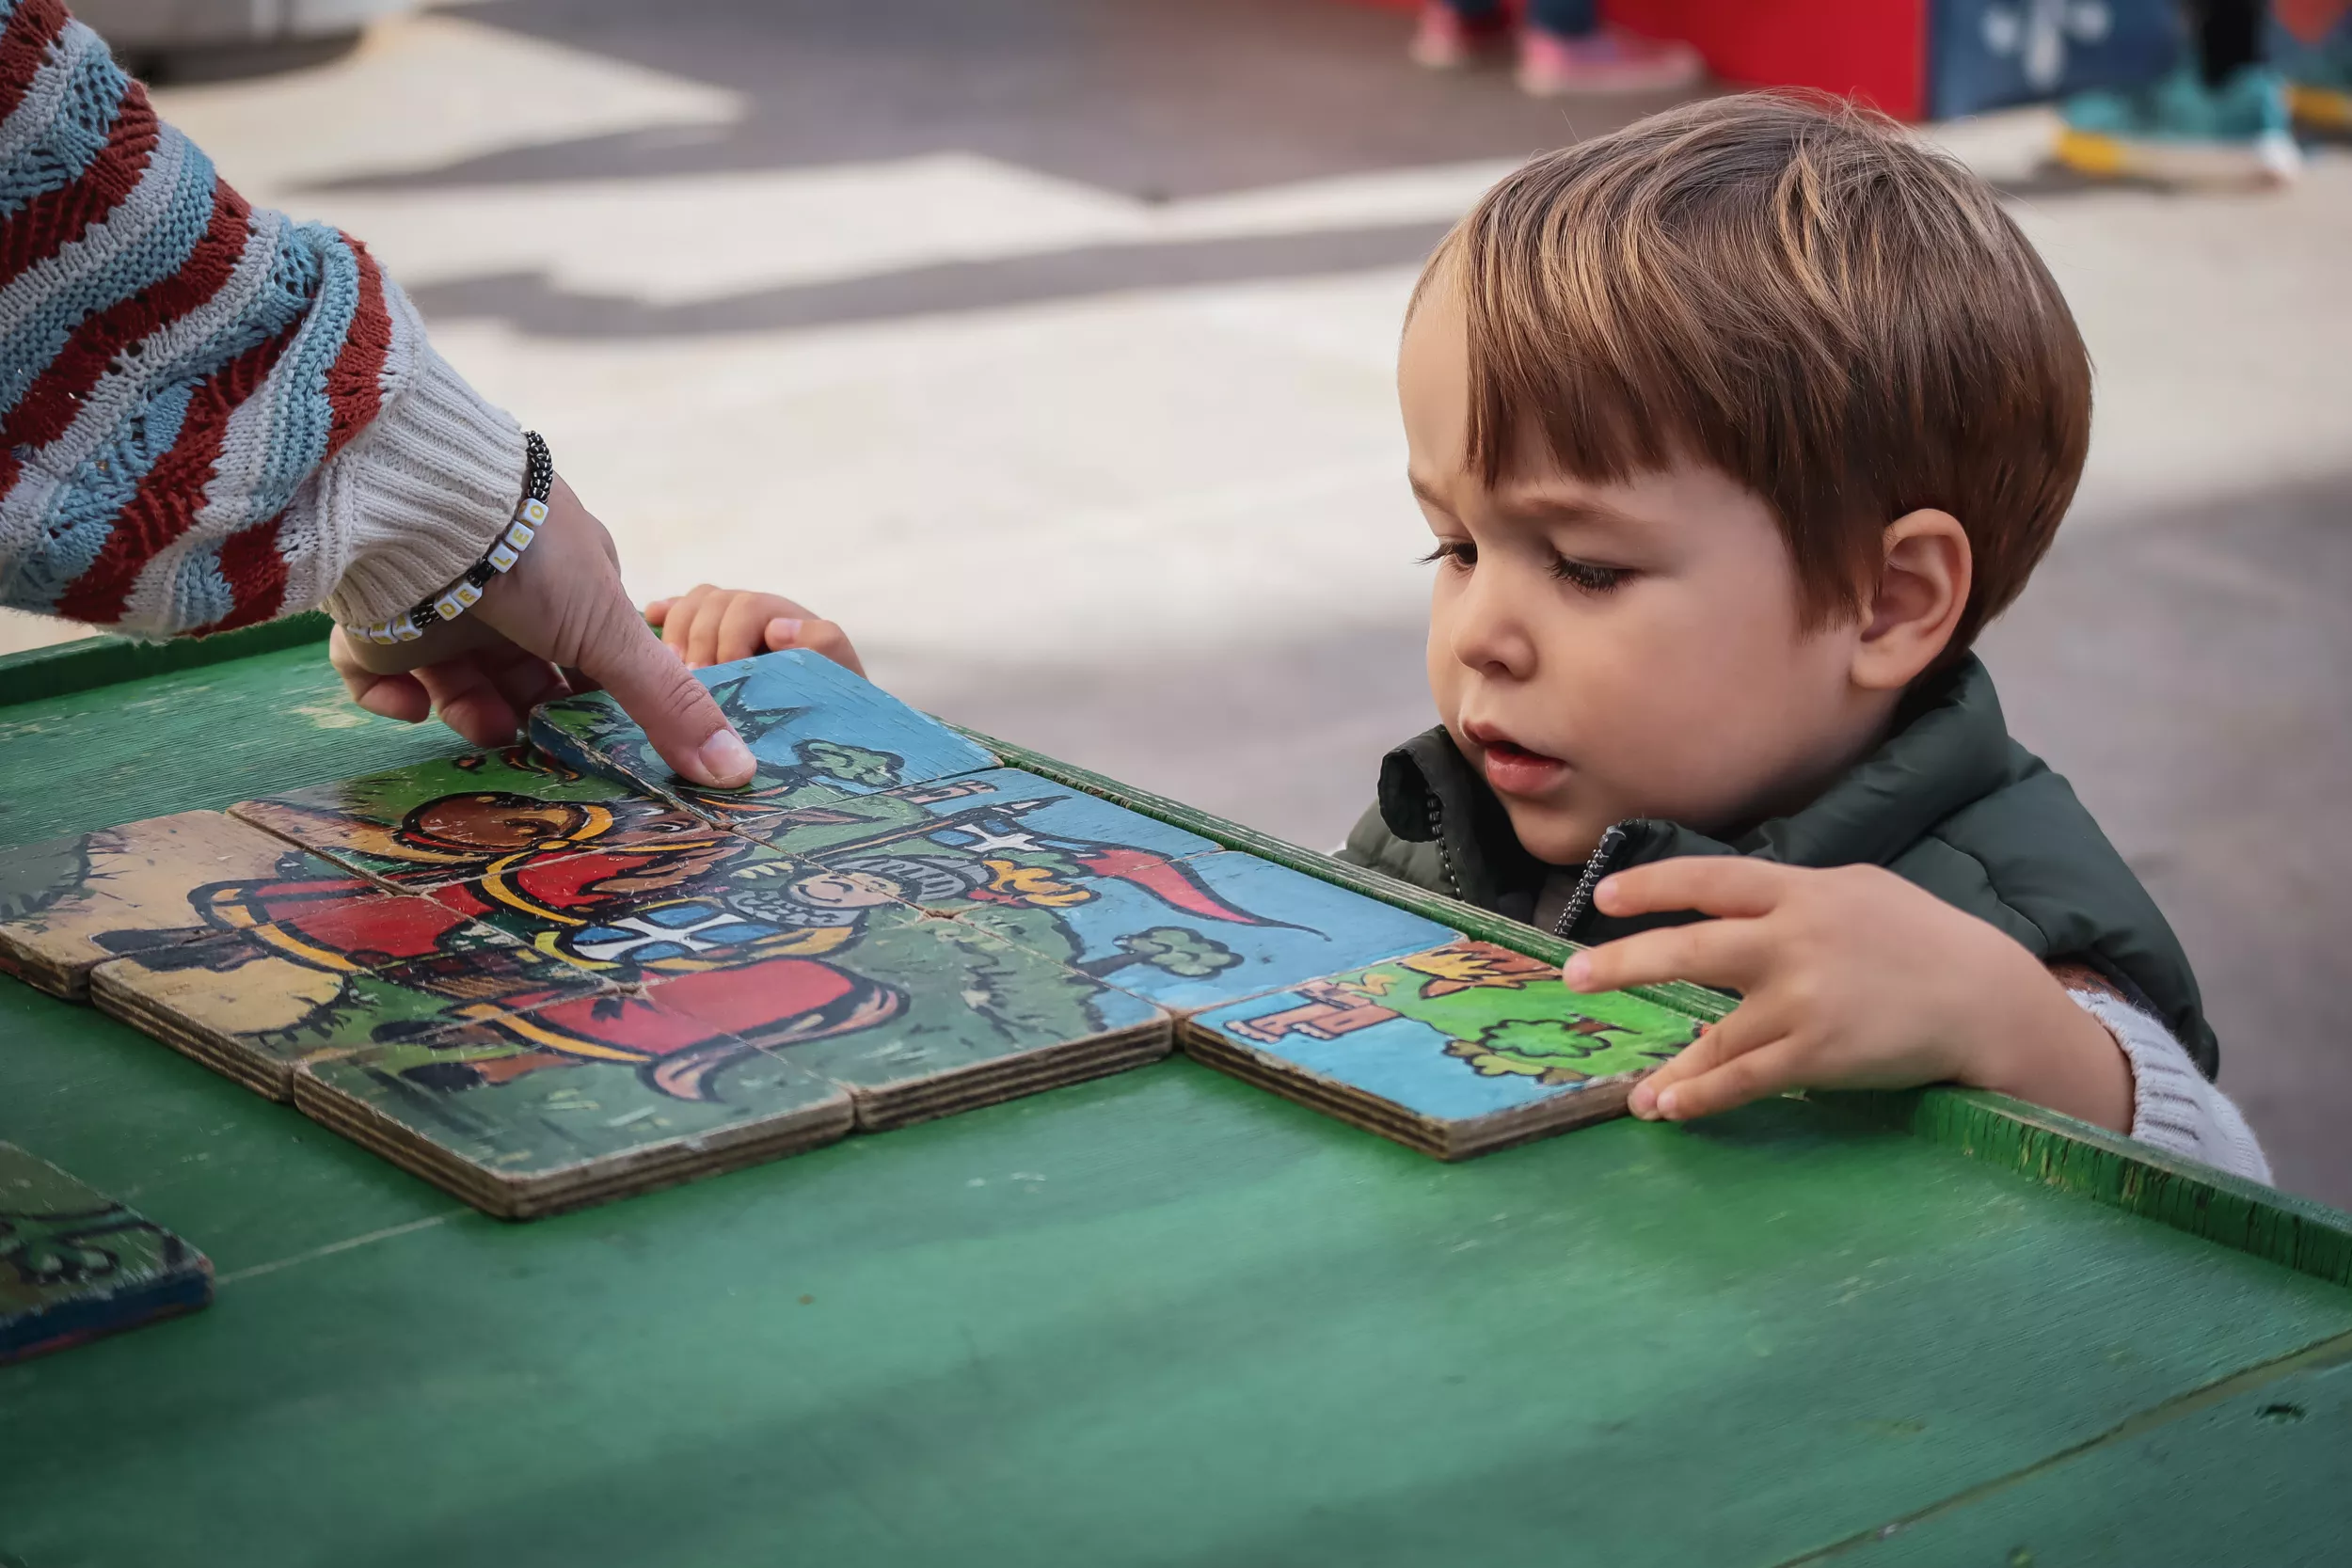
(1986, 53)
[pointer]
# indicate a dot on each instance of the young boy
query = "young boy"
(1733, 429)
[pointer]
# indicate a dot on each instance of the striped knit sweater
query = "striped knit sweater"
(209, 415)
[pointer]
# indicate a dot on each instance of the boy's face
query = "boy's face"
(1606, 652)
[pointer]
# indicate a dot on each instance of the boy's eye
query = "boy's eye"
(1592, 578)
(1461, 552)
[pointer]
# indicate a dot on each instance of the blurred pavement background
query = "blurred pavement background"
(1047, 345)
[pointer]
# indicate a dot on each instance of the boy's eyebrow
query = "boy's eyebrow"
(1425, 493)
(1537, 507)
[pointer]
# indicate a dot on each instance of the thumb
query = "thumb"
(654, 687)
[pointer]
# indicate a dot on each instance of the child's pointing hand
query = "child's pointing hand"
(1849, 978)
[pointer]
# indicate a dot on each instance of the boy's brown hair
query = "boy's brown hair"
(1796, 291)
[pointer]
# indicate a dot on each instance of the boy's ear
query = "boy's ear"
(1922, 588)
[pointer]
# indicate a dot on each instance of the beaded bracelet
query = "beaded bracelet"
(505, 550)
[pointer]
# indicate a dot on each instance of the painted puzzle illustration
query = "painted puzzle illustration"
(1456, 1050)
(552, 974)
(818, 731)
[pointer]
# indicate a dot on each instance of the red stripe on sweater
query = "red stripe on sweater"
(23, 45)
(355, 382)
(256, 574)
(167, 498)
(48, 406)
(56, 218)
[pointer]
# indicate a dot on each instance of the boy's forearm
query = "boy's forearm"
(2044, 1049)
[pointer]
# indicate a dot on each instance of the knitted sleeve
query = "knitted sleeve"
(210, 415)
(2173, 1107)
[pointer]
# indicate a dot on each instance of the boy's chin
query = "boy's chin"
(1557, 835)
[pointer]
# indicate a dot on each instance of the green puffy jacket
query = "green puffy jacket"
(1950, 803)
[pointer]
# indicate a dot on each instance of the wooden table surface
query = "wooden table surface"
(1161, 1318)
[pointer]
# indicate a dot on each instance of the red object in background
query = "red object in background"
(1876, 50)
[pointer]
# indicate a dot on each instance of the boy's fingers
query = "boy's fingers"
(1712, 952)
(742, 630)
(679, 716)
(659, 611)
(678, 620)
(1727, 886)
(820, 637)
(1767, 1069)
(1739, 1032)
(702, 641)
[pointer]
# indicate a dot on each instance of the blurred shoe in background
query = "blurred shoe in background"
(2180, 132)
(1447, 37)
(1563, 47)
(1607, 59)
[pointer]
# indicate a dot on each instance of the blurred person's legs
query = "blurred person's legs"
(2219, 117)
(2313, 46)
(1564, 47)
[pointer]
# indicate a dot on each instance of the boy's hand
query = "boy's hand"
(560, 620)
(1849, 978)
(718, 626)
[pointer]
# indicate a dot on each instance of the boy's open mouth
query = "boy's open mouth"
(1511, 767)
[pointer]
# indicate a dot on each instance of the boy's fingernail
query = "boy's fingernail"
(1644, 1102)
(725, 758)
(782, 631)
(1607, 889)
(1577, 972)
(1666, 1099)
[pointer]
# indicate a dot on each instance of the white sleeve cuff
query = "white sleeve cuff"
(2173, 1107)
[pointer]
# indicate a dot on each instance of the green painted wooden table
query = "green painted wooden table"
(1160, 1318)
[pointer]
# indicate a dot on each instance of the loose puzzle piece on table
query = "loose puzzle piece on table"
(1186, 933)
(457, 818)
(573, 1103)
(75, 1264)
(1456, 1052)
(70, 904)
(818, 731)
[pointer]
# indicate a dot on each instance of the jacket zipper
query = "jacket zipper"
(1579, 903)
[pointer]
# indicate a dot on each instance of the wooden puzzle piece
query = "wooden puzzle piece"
(633, 917)
(1186, 934)
(818, 731)
(253, 1012)
(75, 1264)
(924, 1018)
(572, 1104)
(457, 818)
(1454, 1052)
(999, 814)
(69, 904)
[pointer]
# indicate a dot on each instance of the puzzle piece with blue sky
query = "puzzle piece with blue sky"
(1185, 933)
(817, 732)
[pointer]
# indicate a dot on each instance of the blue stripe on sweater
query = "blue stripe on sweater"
(300, 414)
(200, 593)
(155, 255)
(86, 118)
(83, 511)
